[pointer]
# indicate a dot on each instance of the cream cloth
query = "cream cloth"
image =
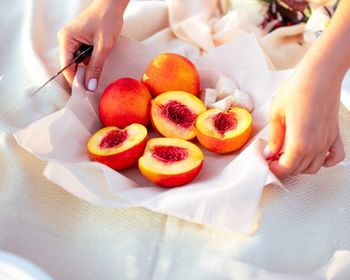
(299, 232)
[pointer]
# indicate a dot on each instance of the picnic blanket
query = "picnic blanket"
(303, 234)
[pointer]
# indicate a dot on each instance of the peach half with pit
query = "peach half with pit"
(123, 102)
(118, 148)
(173, 114)
(170, 162)
(224, 132)
(170, 71)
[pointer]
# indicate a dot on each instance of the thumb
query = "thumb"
(276, 136)
(94, 69)
(336, 153)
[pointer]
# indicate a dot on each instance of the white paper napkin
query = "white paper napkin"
(226, 193)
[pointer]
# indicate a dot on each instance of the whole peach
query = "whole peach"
(171, 72)
(124, 102)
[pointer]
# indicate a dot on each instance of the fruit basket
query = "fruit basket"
(227, 191)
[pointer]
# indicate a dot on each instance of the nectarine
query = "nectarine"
(224, 132)
(170, 162)
(169, 72)
(125, 101)
(118, 148)
(173, 114)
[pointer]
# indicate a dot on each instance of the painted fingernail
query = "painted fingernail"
(92, 85)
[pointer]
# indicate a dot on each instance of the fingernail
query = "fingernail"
(92, 85)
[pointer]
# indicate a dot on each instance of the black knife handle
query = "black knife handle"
(82, 53)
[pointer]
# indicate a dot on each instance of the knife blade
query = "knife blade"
(80, 55)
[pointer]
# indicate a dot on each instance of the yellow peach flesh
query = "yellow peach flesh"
(227, 141)
(151, 164)
(136, 133)
(168, 127)
(205, 122)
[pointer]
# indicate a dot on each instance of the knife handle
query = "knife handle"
(82, 53)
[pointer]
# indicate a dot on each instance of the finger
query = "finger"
(336, 153)
(68, 46)
(94, 69)
(287, 163)
(304, 164)
(315, 164)
(276, 135)
(309, 154)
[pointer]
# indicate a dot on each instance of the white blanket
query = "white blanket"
(299, 232)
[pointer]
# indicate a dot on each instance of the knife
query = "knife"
(80, 55)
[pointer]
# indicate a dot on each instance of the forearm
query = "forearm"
(331, 54)
(117, 7)
(120, 4)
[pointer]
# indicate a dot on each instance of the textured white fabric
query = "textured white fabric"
(71, 239)
(13, 267)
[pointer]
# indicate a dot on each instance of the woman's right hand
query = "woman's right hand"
(98, 25)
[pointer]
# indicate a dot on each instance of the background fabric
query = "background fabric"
(299, 230)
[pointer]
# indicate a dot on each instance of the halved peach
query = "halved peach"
(224, 132)
(173, 114)
(118, 148)
(170, 162)
(170, 71)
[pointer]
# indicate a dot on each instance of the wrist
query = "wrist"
(325, 63)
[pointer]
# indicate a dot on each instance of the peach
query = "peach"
(224, 132)
(170, 162)
(125, 101)
(118, 148)
(173, 114)
(170, 71)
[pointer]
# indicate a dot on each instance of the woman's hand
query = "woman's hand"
(304, 114)
(304, 120)
(99, 25)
